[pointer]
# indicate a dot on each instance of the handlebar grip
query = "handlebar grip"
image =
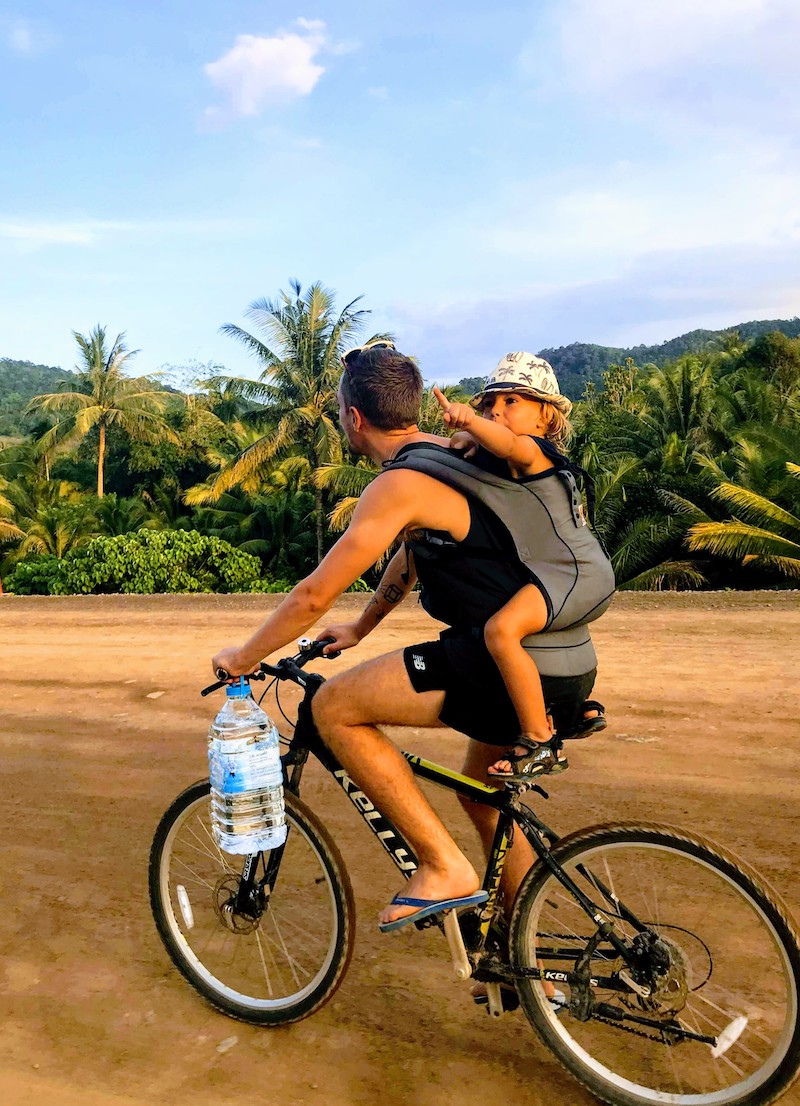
(329, 656)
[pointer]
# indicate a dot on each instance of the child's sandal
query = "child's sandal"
(537, 760)
(588, 726)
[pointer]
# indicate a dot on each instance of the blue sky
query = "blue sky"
(512, 175)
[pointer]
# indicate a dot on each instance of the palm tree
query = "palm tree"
(49, 516)
(120, 515)
(108, 399)
(762, 535)
(300, 350)
(8, 530)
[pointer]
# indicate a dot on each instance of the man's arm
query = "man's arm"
(396, 582)
(384, 509)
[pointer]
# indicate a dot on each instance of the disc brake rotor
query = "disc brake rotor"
(668, 981)
(226, 892)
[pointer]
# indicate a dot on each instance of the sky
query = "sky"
(517, 175)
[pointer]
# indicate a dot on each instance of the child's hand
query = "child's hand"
(462, 440)
(458, 416)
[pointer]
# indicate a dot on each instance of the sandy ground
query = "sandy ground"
(703, 698)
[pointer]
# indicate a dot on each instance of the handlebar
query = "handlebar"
(288, 668)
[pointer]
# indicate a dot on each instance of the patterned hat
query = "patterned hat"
(526, 374)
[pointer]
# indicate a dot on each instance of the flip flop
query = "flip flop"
(428, 907)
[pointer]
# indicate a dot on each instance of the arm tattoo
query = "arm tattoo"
(392, 593)
(405, 575)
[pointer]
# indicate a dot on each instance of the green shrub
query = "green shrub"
(144, 562)
(271, 587)
(34, 576)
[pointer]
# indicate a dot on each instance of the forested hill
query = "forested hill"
(580, 362)
(576, 364)
(20, 381)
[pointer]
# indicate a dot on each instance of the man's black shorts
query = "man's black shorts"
(476, 701)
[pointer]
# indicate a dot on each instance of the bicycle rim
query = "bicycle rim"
(733, 976)
(273, 969)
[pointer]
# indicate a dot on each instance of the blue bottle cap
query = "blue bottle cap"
(239, 690)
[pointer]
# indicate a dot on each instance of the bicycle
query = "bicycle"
(678, 969)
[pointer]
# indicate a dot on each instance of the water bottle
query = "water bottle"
(247, 809)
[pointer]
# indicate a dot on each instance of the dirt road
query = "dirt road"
(102, 725)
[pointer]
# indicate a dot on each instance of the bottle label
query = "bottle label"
(235, 772)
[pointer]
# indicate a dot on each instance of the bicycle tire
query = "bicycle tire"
(752, 944)
(251, 974)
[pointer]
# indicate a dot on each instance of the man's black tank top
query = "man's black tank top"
(485, 565)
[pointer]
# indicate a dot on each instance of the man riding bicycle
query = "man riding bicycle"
(468, 565)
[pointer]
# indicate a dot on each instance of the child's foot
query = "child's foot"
(528, 759)
(593, 720)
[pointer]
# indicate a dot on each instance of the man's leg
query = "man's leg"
(346, 710)
(520, 856)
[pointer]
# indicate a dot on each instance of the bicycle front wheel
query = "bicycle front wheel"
(270, 965)
(719, 958)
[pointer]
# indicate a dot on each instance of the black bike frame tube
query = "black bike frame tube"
(604, 928)
(624, 913)
(386, 832)
(494, 872)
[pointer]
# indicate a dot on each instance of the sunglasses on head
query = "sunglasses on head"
(351, 354)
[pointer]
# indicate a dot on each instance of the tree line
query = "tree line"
(239, 484)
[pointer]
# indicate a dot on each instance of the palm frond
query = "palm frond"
(682, 506)
(787, 566)
(342, 513)
(641, 543)
(756, 508)
(60, 401)
(739, 540)
(667, 576)
(345, 478)
(252, 344)
(10, 532)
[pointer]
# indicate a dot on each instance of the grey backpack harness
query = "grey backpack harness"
(544, 517)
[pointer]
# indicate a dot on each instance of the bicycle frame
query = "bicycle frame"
(471, 957)
(510, 810)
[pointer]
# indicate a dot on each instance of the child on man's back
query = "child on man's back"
(520, 403)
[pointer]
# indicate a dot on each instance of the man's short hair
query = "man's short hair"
(385, 386)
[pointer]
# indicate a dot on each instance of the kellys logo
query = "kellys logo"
(387, 837)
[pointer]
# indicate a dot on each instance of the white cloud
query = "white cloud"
(652, 300)
(258, 72)
(20, 38)
(699, 63)
(26, 38)
(716, 200)
(29, 234)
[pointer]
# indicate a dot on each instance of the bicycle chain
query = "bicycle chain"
(631, 1030)
(598, 1017)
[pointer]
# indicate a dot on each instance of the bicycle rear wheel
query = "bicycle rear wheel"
(271, 968)
(729, 970)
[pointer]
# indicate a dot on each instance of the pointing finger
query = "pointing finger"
(442, 399)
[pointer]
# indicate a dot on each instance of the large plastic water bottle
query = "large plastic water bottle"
(247, 808)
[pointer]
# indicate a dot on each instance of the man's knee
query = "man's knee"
(327, 707)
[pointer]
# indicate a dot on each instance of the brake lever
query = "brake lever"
(225, 677)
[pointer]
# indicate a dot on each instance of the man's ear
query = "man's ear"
(356, 418)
